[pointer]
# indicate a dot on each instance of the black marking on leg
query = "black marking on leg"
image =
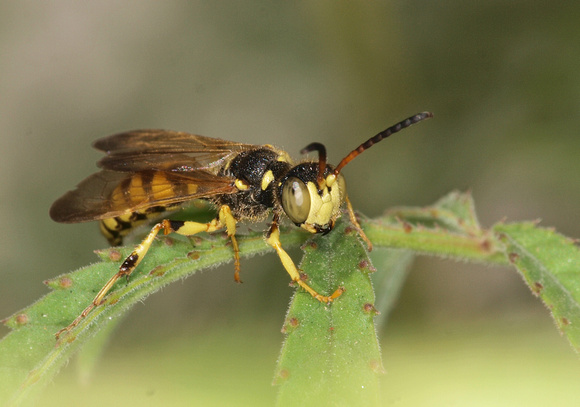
(176, 224)
(273, 225)
(129, 264)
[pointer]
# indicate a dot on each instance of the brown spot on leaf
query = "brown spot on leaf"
(283, 374)
(485, 245)
(513, 257)
(293, 322)
(114, 255)
(537, 287)
(21, 319)
(157, 271)
(349, 230)
(65, 282)
(376, 366)
(370, 309)
(290, 325)
(365, 265)
(311, 244)
(193, 255)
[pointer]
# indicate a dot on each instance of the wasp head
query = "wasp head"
(312, 201)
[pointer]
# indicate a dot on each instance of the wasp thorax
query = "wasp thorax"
(309, 205)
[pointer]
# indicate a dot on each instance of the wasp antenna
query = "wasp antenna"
(321, 159)
(382, 135)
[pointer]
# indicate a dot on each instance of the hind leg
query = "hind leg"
(186, 228)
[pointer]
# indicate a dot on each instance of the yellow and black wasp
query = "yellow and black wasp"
(146, 172)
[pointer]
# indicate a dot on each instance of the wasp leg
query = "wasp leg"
(224, 219)
(354, 221)
(187, 228)
(126, 269)
(273, 239)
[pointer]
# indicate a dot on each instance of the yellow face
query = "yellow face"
(313, 210)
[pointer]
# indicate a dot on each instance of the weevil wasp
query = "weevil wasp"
(147, 172)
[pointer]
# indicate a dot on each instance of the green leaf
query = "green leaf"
(455, 212)
(30, 356)
(550, 264)
(331, 353)
(392, 267)
(447, 229)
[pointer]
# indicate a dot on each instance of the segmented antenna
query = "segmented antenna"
(321, 160)
(382, 135)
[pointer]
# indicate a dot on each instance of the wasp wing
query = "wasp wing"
(107, 194)
(165, 150)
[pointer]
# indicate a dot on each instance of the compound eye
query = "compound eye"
(296, 200)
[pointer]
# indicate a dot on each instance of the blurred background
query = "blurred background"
(502, 78)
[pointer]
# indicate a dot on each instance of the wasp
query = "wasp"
(147, 172)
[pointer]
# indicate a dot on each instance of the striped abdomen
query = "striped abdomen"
(150, 190)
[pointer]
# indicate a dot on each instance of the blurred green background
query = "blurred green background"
(502, 78)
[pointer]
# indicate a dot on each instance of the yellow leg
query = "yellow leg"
(273, 239)
(354, 221)
(187, 228)
(226, 218)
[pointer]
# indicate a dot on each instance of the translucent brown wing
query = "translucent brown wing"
(107, 194)
(165, 150)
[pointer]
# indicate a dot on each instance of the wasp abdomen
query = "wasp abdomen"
(140, 190)
(115, 229)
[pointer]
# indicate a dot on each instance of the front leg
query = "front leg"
(273, 239)
(357, 226)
